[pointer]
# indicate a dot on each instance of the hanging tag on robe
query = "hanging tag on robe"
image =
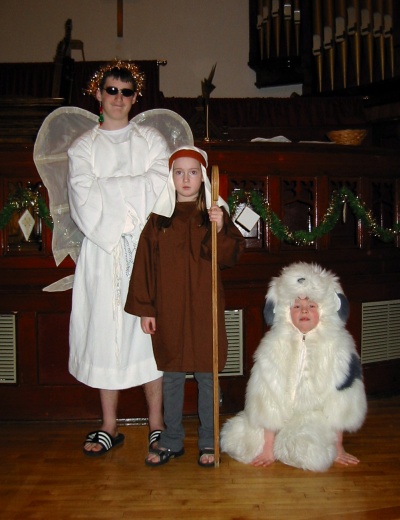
(248, 218)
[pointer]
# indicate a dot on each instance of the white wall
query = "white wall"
(190, 35)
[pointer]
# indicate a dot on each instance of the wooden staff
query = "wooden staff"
(214, 261)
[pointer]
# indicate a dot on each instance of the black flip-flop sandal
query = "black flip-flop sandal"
(154, 436)
(206, 451)
(164, 456)
(105, 440)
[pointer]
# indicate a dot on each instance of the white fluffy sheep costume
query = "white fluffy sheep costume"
(303, 387)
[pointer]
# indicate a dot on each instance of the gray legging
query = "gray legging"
(173, 394)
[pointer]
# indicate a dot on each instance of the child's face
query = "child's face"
(304, 314)
(116, 107)
(187, 178)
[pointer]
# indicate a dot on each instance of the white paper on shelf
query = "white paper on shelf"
(277, 139)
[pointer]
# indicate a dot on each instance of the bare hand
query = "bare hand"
(346, 458)
(342, 457)
(263, 460)
(266, 457)
(216, 214)
(148, 324)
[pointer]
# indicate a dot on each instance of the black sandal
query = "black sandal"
(105, 440)
(154, 436)
(206, 451)
(164, 456)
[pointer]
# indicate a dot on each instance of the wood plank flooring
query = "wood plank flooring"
(44, 475)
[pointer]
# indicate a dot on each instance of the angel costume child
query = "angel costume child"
(171, 289)
(305, 388)
(115, 173)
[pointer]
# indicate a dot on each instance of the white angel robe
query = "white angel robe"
(114, 180)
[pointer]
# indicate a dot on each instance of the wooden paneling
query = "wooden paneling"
(369, 269)
(52, 349)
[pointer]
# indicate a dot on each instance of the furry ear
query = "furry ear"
(344, 309)
(269, 312)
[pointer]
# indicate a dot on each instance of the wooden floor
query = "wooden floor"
(44, 475)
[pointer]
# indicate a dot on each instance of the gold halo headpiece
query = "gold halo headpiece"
(138, 76)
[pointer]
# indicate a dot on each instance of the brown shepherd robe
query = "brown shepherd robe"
(172, 281)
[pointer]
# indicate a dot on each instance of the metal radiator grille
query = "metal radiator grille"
(8, 362)
(234, 331)
(380, 336)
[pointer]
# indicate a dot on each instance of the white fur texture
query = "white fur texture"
(293, 386)
(240, 440)
(306, 442)
(303, 280)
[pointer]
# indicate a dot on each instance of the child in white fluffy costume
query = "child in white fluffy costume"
(305, 387)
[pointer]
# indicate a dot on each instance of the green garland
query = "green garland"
(25, 198)
(337, 206)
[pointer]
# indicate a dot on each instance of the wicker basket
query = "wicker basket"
(352, 137)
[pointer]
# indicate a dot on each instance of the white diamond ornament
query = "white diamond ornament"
(248, 218)
(26, 223)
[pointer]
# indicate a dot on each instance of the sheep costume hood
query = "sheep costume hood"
(303, 387)
(165, 203)
(302, 280)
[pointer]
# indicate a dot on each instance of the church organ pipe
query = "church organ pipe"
(352, 42)
(276, 21)
(287, 17)
(278, 28)
(341, 38)
(260, 28)
(366, 33)
(267, 8)
(317, 40)
(353, 29)
(328, 41)
(296, 20)
(388, 32)
(378, 35)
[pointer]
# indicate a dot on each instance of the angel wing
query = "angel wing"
(171, 125)
(58, 131)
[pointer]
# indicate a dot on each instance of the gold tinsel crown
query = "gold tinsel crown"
(138, 76)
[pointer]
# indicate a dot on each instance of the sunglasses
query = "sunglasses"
(113, 91)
